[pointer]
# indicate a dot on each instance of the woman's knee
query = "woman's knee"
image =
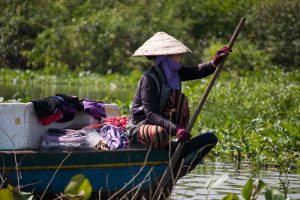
(211, 138)
(153, 135)
(208, 138)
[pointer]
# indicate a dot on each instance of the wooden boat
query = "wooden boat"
(122, 172)
(107, 171)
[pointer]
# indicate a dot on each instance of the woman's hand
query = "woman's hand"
(182, 135)
(220, 55)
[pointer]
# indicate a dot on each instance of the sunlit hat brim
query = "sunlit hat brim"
(161, 44)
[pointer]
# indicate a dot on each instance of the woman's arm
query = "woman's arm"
(192, 73)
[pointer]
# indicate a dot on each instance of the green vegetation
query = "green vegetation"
(255, 113)
(100, 36)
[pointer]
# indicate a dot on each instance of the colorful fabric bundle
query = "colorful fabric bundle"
(51, 118)
(94, 108)
(120, 122)
(100, 136)
(111, 138)
(58, 108)
(70, 139)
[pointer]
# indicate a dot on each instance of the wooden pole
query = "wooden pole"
(165, 178)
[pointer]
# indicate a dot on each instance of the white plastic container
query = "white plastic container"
(20, 128)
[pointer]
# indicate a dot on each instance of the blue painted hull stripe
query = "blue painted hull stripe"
(111, 179)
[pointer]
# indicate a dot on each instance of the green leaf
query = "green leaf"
(258, 185)
(215, 181)
(231, 197)
(273, 194)
(247, 190)
(79, 185)
(7, 193)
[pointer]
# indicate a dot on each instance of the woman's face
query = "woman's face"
(177, 58)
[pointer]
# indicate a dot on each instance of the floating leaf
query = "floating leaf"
(79, 185)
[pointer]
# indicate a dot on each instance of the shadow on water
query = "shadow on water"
(193, 185)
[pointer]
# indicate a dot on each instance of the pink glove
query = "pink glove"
(182, 135)
(220, 55)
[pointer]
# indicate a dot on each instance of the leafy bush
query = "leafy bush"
(102, 35)
(275, 25)
(20, 23)
(245, 56)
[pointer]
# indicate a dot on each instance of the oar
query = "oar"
(165, 178)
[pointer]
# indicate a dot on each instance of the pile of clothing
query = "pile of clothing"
(107, 134)
(102, 136)
(62, 108)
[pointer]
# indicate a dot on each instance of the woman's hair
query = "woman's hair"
(151, 57)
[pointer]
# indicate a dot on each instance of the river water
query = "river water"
(192, 186)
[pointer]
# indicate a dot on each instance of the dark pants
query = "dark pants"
(195, 150)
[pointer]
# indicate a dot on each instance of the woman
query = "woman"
(159, 109)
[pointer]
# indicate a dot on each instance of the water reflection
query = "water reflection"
(193, 185)
(35, 90)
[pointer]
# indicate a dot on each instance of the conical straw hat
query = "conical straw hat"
(161, 44)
